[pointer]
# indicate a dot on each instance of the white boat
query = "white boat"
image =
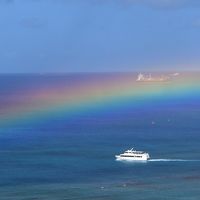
(149, 78)
(133, 155)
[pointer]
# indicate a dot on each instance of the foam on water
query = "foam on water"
(172, 160)
(157, 160)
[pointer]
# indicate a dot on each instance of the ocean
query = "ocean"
(59, 134)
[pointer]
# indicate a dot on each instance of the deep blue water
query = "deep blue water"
(74, 159)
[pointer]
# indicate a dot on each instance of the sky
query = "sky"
(47, 36)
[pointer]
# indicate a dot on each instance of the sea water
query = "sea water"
(72, 155)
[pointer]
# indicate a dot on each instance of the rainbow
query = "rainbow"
(94, 93)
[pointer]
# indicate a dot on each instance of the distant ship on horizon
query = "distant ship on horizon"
(148, 78)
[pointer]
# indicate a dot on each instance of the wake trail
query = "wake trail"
(172, 160)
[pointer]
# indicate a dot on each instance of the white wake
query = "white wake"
(172, 160)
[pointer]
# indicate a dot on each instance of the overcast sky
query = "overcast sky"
(99, 35)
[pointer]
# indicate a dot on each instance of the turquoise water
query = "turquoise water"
(73, 158)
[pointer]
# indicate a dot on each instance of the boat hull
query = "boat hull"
(143, 158)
